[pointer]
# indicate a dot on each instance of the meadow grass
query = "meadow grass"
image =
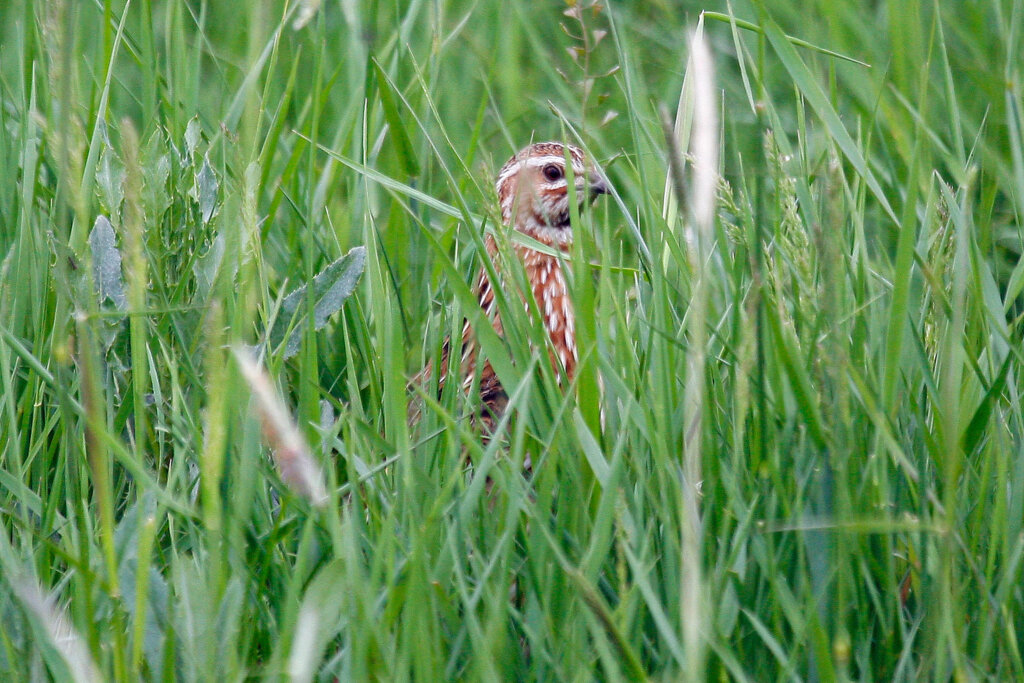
(793, 448)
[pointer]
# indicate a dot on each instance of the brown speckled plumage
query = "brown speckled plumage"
(534, 199)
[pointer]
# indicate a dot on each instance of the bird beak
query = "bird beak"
(599, 184)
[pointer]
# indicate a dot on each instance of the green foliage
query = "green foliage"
(188, 177)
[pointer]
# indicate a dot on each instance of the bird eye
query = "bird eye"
(552, 172)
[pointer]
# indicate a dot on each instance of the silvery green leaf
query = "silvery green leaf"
(106, 263)
(207, 265)
(206, 184)
(110, 177)
(193, 132)
(70, 275)
(331, 287)
(156, 170)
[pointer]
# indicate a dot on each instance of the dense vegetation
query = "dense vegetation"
(791, 452)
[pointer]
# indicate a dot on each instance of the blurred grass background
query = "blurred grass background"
(862, 488)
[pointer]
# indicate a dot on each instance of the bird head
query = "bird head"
(534, 195)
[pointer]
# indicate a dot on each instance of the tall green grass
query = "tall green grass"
(830, 486)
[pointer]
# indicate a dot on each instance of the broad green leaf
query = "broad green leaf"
(331, 287)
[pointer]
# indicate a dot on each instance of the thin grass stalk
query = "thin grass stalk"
(215, 432)
(132, 221)
(147, 534)
(100, 468)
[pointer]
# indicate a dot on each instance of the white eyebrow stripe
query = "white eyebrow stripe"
(510, 171)
(537, 162)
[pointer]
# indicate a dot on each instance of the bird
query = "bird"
(533, 195)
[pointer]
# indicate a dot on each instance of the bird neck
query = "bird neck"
(551, 293)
